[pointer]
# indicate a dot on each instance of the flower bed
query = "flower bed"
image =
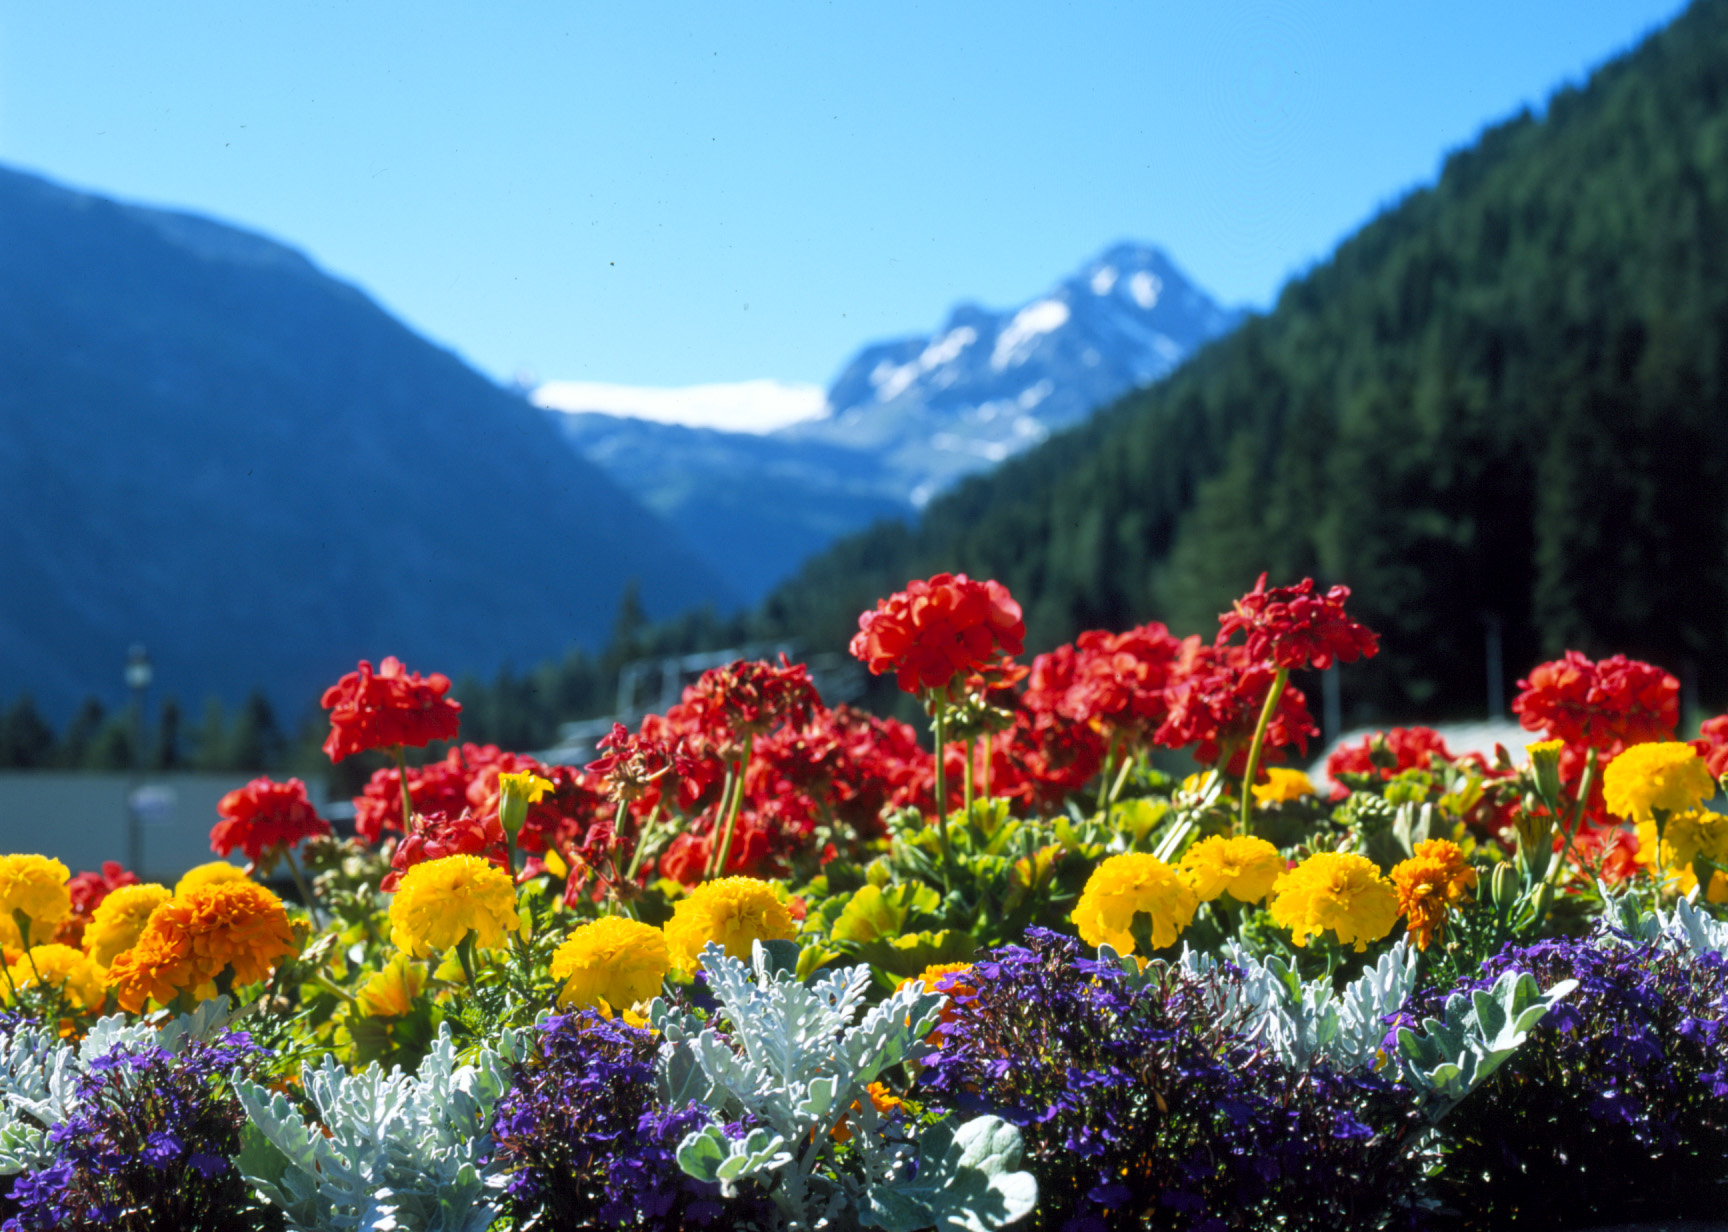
(768, 964)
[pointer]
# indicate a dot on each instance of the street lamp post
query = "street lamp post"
(138, 675)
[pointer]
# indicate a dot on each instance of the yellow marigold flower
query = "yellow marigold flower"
(526, 784)
(192, 938)
(1429, 884)
(36, 886)
(1281, 785)
(1344, 893)
(391, 992)
(1544, 748)
(732, 912)
(1667, 775)
(611, 959)
(1246, 867)
(213, 873)
(441, 901)
(63, 967)
(120, 918)
(1126, 885)
(1687, 837)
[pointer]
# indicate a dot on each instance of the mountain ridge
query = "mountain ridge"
(210, 446)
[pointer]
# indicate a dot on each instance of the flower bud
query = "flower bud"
(1545, 770)
(515, 793)
(1503, 887)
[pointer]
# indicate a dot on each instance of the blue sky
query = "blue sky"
(664, 193)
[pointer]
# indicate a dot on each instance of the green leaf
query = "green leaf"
(873, 914)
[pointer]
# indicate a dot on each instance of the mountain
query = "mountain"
(210, 447)
(906, 419)
(1499, 407)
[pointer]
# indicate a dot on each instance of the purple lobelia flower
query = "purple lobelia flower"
(1141, 1110)
(1615, 1110)
(589, 1146)
(148, 1148)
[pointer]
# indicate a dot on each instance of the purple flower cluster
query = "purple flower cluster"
(1615, 1110)
(151, 1146)
(588, 1144)
(1140, 1109)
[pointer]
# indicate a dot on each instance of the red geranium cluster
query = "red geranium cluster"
(936, 630)
(1404, 748)
(436, 835)
(634, 763)
(390, 707)
(1292, 627)
(465, 780)
(742, 700)
(1215, 699)
(88, 890)
(1111, 682)
(1605, 706)
(437, 787)
(263, 817)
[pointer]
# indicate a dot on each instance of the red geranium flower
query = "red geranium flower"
(437, 787)
(1605, 706)
(1712, 744)
(1407, 748)
(936, 630)
(1292, 627)
(88, 890)
(263, 816)
(1215, 699)
(390, 707)
(441, 834)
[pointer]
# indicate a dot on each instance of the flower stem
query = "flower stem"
(465, 953)
(301, 884)
(737, 802)
(1273, 695)
(402, 775)
(966, 786)
(642, 837)
(1574, 819)
(938, 722)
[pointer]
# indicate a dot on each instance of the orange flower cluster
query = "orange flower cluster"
(1429, 885)
(192, 938)
(376, 710)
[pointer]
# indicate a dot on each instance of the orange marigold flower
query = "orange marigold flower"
(936, 630)
(191, 939)
(1429, 884)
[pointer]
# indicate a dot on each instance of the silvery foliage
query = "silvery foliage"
(1456, 1053)
(1686, 931)
(39, 1071)
(1308, 1021)
(798, 1061)
(405, 1152)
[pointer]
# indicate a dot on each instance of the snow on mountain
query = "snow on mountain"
(989, 384)
(738, 406)
(904, 419)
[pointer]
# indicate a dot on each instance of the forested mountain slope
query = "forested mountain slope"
(1502, 399)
